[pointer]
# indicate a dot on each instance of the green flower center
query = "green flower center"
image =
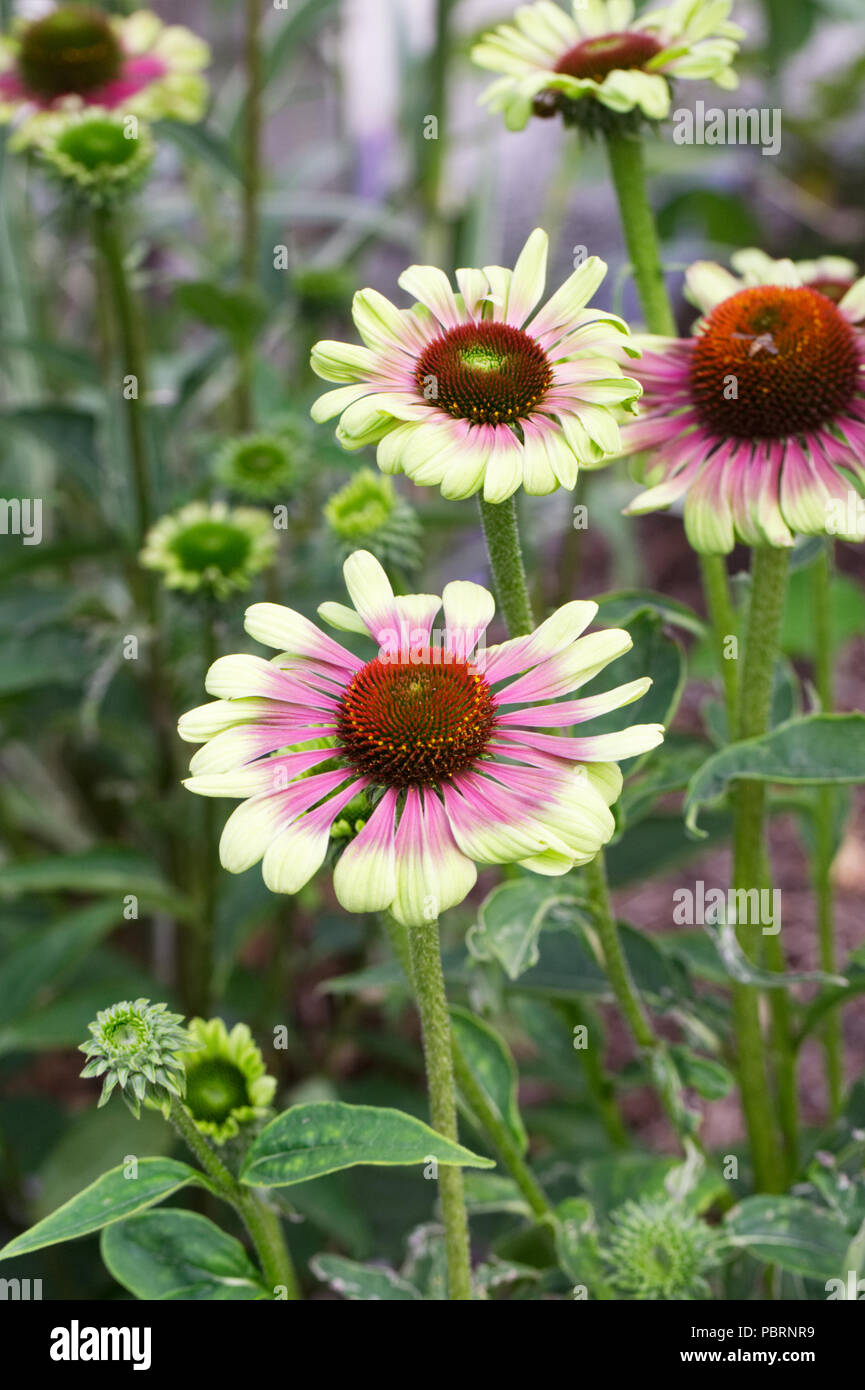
(597, 58)
(96, 144)
(73, 50)
(215, 1088)
(488, 373)
(260, 460)
(125, 1034)
(212, 545)
(362, 507)
(409, 724)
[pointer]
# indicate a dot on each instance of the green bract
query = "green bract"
(659, 1250)
(139, 1047)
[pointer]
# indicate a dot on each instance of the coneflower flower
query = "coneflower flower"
(441, 734)
(603, 60)
(94, 152)
(759, 418)
(227, 1086)
(831, 275)
(481, 389)
(80, 56)
(210, 547)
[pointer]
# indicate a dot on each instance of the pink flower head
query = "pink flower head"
(441, 739)
(758, 420)
(479, 389)
(78, 56)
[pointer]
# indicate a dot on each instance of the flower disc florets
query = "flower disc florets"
(72, 50)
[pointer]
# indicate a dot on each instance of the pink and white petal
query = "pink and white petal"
(364, 879)
(371, 593)
(206, 721)
(243, 744)
(539, 477)
(290, 632)
(529, 277)
(562, 716)
(466, 462)
(556, 633)
(499, 278)
(383, 327)
(432, 874)
(468, 612)
(504, 470)
(417, 613)
(343, 618)
(249, 830)
(625, 743)
(708, 284)
(241, 675)
(344, 361)
(607, 780)
(852, 306)
(430, 286)
(297, 852)
(570, 298)
(275, 776)
(474, 288)
(333, 403)
(489, 824)
(569, 669)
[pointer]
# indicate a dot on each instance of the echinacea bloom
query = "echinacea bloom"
(77, 56)
(93, 151)
(263, 466)
(831, 275)
(756, 420)
(481, 389)
(603, 58)
(210, 547)
(227, 1086)
(443, 737)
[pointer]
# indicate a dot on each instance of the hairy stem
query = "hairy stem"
(824, 824)
(501, 531)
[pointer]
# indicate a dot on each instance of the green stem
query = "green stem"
(426, 972)
(251, 199)
(495, 1128)
(624, 990)
(625, 154)
(824, 825)
(501, 531)
(765, 609)
(260, 1220)
(109, 245)
(723, 622)
(434, 150)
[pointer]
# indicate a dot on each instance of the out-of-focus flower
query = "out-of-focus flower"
(96, 152)
(480, 389)
(602, 63)
(757, 419)
(139, 1047)
(227, 1086)
(368, 514)
(831, 275)
(80, 56)
(210, 547)
(262, 466)
(659, 1250)
(442, 735)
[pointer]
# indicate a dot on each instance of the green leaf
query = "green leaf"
(237, 313)
(309, 1140)
(577, 1246)
(45, 955)
(846, 611)
(789, 1232)
(492, 1066)
(819, 749)
(107, 871)
(93, 1141)
(178, 1255)
(619, 608)
(493, 1192)
(510, 920)
(702, 1074)
(65, 429)
(113, 1197)
(629, 1177)
(363, 1283)
(740, 968)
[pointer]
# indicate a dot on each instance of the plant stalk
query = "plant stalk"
(824, 824)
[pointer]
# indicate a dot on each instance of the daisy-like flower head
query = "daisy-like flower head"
(369, 514)
(481, 389)
(444, 738)
(96, 152)
(602, 64)
(210, 547)
(758, 420)
(141, 1048)
(659, 1250)
(264, 466)
(227, 1086)
(78, 55)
